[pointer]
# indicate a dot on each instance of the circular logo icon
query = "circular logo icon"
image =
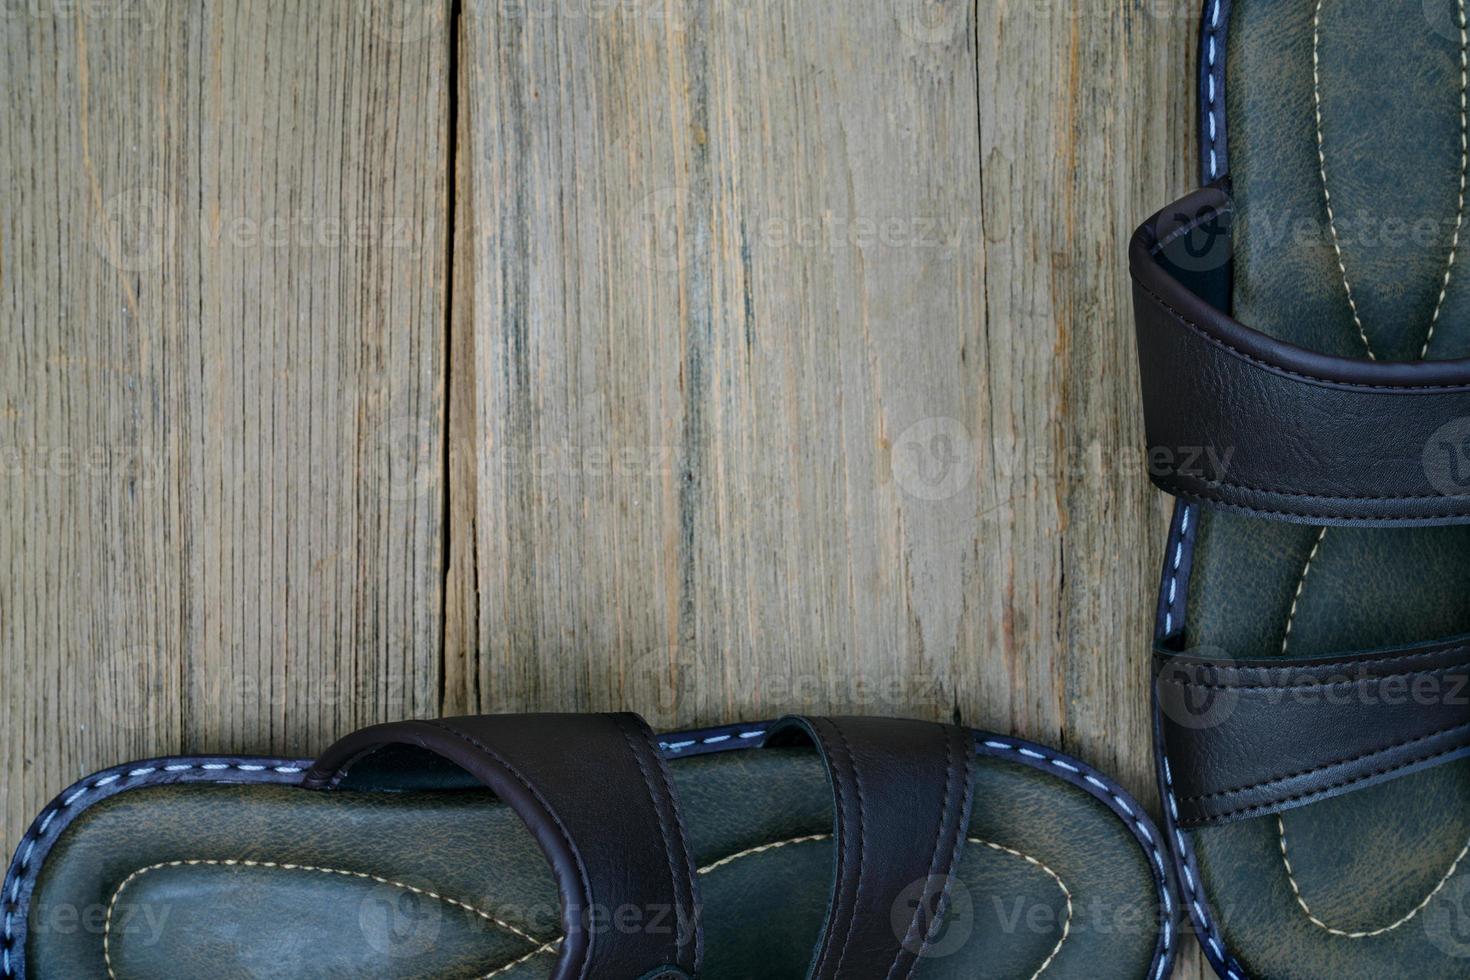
(1447, 458)
(932, 21)
(135, 229)
(397, 922)
(934, 458)
(402, 458)
(1447, 919)
(402, 21)
(664, 679)
(1194, 693)
(934, 917)
(1444, 18)
(654, 235)
(130, 690)
(1198, 240)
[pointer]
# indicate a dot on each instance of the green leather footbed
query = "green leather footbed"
(762, 911)
(1390, 87)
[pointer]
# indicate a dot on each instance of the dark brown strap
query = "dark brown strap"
(594, 791)
(902, 806)
(1239, 419)
(1243, 740)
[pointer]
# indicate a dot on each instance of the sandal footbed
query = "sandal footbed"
(1389, 79)
(225, 881)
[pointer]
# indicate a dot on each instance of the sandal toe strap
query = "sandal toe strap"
(902, 794)
(594, 791)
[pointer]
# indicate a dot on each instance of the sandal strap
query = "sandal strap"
(594, 790)
(1245, 740)
(902, 793)
(1238, 419)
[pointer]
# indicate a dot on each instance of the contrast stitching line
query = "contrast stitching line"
(862, 833)
(28, 841)
(1362, 498)
(1208, 337)
(1337, 244)
(1210, 83)
(1091, 777)
(1112, 791)
(543, 948)
(1368, 934)
(663, 830)
(1322, 172)
(1192, 898)
(282, 866)
(1178, 554)
(1176, 487)
(1269, 665)
(1279, 802)
(1464, 170)
(1061, 884)
(1315, 684)
(813, 838)
(1066, 892)
(1328, 765)
(546, 808)
(711, 740)
(1300, 586)
(948, 737)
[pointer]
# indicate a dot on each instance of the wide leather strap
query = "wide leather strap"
(594, 791)
(1243, 740)
(902, 793)
(1238, 419)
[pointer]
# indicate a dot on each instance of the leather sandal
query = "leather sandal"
(565, 846)
(1304, 344)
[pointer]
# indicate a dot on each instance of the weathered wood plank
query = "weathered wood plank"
(223, 282)
(803, 368)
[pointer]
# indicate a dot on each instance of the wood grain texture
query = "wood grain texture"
(224, 299)
(802, 369)
(803, 374)
(788, 367)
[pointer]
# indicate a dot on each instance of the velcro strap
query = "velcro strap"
(1238, 419)
(902, 792)
(1243, 740)
(594, 792)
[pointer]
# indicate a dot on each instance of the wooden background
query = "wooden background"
(706, 358)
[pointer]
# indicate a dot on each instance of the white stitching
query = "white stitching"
(811, 838)
(28, 841)
(1363, 934)
(1178, 556)
(1184, 853)
(711, 740)
(1090, 777)
(1300, 587)
(245, 863)
(1115, 793)
(1363, 334)
(1210, 82)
